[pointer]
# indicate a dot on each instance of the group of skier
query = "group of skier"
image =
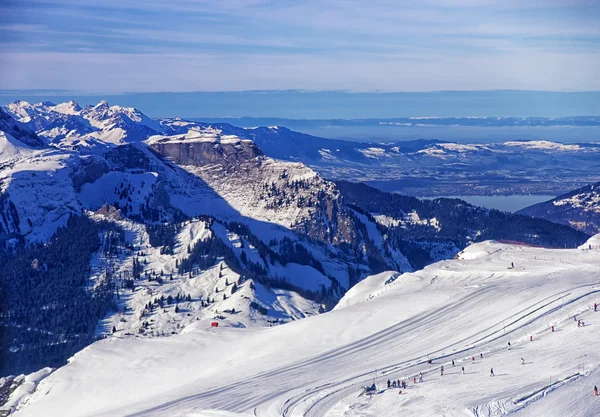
(396, 384)
(402, 384)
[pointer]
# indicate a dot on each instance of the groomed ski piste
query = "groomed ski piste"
(387, 327)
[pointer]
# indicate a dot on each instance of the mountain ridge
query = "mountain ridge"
(579, 209)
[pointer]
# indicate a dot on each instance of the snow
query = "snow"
(109, 187)
(456, 147)
(544, 145)
(301, 276)
(134, 319)
(594, 242)
(198, 134)
(70, 108)
(372, 152)
(433, 152)
(586, 201)
(367, 289)
(25, 386)
(32, 177)
(317, 366)
(11, 149)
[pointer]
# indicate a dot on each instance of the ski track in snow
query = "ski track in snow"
(317, 367)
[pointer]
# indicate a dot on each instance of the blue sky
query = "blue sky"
(112, 46)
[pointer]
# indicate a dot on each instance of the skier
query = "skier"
(595, 390)
(492, 372)
(452, 362)
(531, 338)
(420, 376)
(552, 329)
(582, 323)
(512, 264)
(389, 384)
(442, 371)
(578, 323)
(403, 384)
(393, 384)
(463, 370)
(481, 355)
(508, 345)
(415, 379)
(522, 361)
(398, 383)
(595, 307)
(473, 358)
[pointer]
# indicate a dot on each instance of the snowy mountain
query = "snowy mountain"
(428, 167)
(137, 228)
(68, 125)
(125, 230)
(579, 209)
(502, 321)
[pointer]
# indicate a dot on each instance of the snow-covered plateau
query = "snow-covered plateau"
(525, 312)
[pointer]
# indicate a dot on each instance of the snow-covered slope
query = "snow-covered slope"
(579, 209)
(18, 131)
(478, 311)
(165, 300)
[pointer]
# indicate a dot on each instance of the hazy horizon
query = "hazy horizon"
(323, 105)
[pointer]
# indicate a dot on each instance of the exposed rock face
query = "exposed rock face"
(199, 148)
(89, 170)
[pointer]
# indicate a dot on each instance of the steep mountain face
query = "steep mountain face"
(11, 127)
(289, 194)
(579, 209)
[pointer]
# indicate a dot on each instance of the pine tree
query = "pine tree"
(177, 308)
(114, 329)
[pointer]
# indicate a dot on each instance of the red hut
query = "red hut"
(214, 324)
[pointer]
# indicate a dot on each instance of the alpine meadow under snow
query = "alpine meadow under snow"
(156, 267)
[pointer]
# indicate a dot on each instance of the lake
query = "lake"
(510, 203)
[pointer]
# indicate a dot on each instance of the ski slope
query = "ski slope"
(472, 306)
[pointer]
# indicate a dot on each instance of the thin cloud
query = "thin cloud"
(312, 44)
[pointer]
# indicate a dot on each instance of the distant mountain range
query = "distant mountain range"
(426, 167)
(572, 121)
